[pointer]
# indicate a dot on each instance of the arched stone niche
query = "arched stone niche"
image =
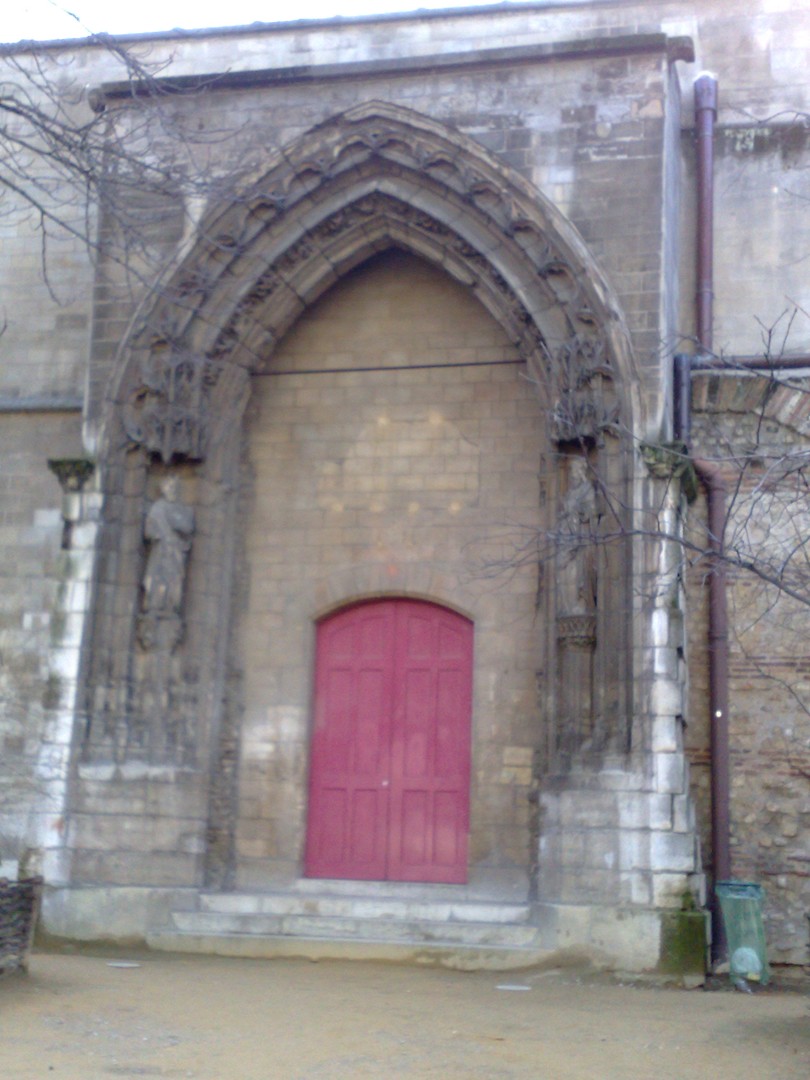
(370, 179)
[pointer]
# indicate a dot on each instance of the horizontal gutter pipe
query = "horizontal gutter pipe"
(750, 363)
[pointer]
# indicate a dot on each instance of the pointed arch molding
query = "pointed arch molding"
(374, 177)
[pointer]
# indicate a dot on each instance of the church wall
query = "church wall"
(46, 309)
(34, 575)
(588, 131)
(596, 136)
(762, 235)
(756, 49)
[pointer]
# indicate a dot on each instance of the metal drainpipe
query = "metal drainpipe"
(712, 479)
(710, 475)
(759, 364)
(718, 671)
(705, 116)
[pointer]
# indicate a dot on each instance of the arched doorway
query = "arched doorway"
(390, 751)
(374, 180)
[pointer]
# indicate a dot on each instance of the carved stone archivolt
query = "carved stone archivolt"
(385, 168)
(372, 214)
(374, 177)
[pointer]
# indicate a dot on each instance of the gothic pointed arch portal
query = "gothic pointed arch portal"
(162, 687)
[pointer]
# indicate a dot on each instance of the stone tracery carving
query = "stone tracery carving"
(167, 413)
(380, 140)
(404, 141)
(587, 406)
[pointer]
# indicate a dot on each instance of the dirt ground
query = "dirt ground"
(79, 1017)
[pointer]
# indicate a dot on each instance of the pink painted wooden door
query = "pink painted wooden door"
(390, 756)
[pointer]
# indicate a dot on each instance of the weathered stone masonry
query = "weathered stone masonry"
(412, 350)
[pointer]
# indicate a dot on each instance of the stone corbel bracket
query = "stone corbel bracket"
(72, 473)
(671, 461)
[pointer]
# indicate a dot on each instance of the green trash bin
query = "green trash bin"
(741, 908)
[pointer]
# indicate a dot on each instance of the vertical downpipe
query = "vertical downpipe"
(718, 671)
(712, 479)
(705, 116)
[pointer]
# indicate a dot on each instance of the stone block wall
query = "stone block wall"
(588, 130)
(417, 473)
(572, 132)
(136, 827)
(759, 54)
(619, 836)
(761, 182)
(33, 586)
(46, 323)
(595, 133)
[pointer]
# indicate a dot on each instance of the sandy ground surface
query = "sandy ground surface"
(78, 1017)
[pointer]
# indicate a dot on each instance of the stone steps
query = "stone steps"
(348, 928)
(273, 947)
(375, 922)
(364, 907)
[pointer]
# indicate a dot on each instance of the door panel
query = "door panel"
(390, 759)
(350, 746)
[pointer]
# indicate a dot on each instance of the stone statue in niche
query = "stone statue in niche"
(168, 529)
(576, 569)
(157, 728)
(577, 592)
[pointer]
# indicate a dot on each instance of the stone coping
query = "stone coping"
(676, 48)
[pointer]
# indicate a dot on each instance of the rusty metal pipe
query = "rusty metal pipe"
(705, 116)
(682, 398)
(712, 479)
(750, 363)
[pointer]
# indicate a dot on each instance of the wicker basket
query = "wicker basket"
(19, 907)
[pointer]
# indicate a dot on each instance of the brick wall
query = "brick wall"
(753, 432)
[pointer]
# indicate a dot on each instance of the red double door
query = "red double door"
(390, 756)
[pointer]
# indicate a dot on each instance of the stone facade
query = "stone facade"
(410, 345)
